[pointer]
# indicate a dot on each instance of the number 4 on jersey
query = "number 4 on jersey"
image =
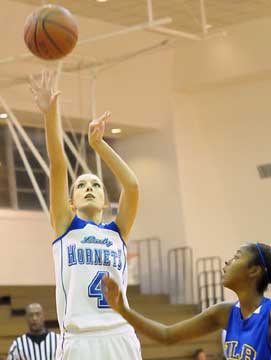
(95, 290)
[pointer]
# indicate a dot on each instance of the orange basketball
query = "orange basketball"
(50, 32)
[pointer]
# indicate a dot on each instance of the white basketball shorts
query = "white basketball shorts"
(99, 346)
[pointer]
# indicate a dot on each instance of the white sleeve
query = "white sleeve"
(13, 352)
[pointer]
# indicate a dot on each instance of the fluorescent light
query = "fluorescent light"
(101, 0)
(116, 131)
(3, 116)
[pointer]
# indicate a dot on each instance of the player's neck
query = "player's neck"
(87, 215)
(249, 301)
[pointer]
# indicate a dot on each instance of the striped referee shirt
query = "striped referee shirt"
(34, 347)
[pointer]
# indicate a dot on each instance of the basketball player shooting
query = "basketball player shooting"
(85, 249)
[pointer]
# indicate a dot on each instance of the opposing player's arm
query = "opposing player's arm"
(206, 322)
(47, 100)
(128, 202)
(210, 320)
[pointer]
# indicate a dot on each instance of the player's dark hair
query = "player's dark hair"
(261, 256)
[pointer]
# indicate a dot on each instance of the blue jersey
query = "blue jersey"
(248, 339)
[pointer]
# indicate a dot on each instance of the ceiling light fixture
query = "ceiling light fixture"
(116, 131)
(3, 116)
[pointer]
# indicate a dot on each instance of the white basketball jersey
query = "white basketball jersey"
(82, 255)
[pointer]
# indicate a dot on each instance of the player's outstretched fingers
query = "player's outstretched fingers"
(107, 282)
(104, 117)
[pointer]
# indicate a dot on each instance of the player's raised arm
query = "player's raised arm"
(129, 194)
(210, 320)
(47, 101)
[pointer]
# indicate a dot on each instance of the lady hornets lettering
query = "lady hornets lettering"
(90, 256)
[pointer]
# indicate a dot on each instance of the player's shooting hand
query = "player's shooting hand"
(42, 89)
(112, 293)
(96, 129)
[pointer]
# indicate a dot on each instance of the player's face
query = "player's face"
(237, 270)
(88, 193)
(35, 318)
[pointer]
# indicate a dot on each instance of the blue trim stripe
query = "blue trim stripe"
(113, 226)
(78, 223)
(261, 254)
(65, 233)
(125, 257)
(63, 287)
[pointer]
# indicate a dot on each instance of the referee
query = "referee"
(38, 343)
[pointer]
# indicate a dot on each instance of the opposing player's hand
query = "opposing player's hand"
(112, 293)
(42, 89)
(96, 129)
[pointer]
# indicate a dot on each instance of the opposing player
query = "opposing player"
(247, 322)
(85, 249)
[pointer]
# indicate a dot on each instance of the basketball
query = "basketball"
(50, 32)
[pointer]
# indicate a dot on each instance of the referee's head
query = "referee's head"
(35, 318)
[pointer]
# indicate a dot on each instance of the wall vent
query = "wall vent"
(264, 171)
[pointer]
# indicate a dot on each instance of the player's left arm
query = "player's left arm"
(128, 202)
(270, 326)
(211, 319)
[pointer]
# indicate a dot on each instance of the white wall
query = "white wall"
(26, 250)
(223, 131)
(222, 136)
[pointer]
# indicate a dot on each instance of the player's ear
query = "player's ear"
(255, 271)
